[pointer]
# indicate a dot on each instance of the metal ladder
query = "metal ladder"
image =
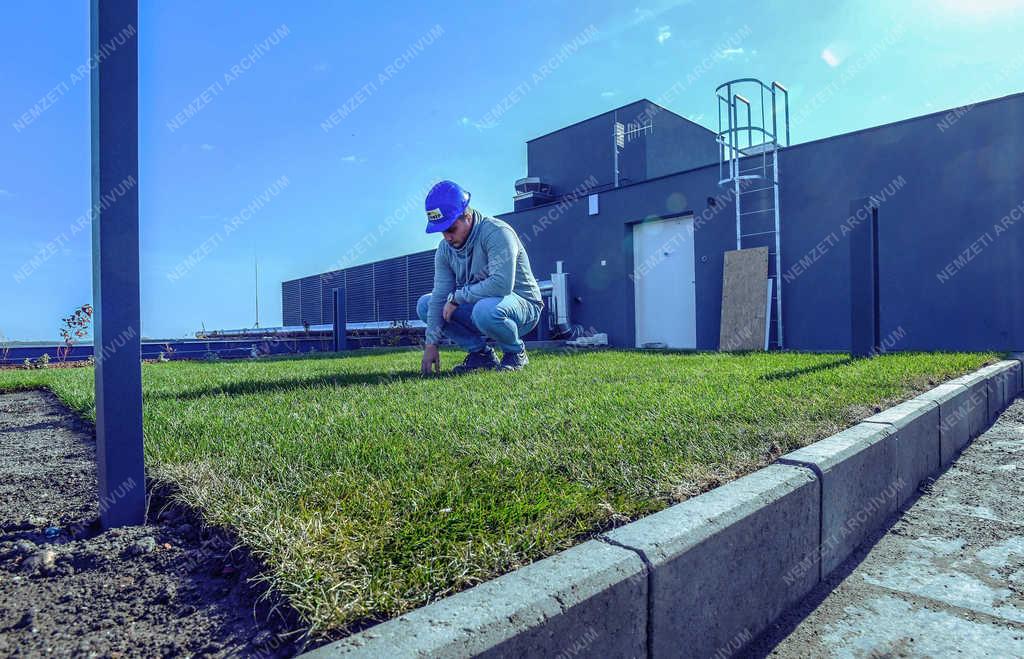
(749, 164)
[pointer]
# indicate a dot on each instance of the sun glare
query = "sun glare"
(982, 8)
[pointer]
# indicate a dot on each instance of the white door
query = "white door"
(663, 278)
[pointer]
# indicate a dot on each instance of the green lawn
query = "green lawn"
(369, 490)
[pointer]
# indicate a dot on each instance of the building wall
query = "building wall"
(545, 155)
(958, 183)
(566, 158)
(602, 295)
(943, 191)
(677, 144)
(943, 184)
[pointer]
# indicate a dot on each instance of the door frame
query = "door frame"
(631, 228)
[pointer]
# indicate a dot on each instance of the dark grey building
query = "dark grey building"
(615, 205)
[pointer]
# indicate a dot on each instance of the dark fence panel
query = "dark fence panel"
(291, 302)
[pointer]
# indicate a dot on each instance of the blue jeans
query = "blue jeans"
(503, 319)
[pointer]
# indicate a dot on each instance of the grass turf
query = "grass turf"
(368, 490)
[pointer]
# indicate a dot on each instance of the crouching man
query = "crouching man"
(483, 286)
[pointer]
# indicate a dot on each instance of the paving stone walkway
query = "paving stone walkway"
(945, 579)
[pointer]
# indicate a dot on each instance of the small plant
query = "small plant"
(169, 351)
(5, 349)
(211, 356)
(76, 326)
(41, 361)
(398, 333)
(162, 357)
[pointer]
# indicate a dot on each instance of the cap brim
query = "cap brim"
(438, 227)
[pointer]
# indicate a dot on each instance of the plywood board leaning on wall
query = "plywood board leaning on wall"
(744, 295)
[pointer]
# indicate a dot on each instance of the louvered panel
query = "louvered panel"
(359, 294)
(311, 310)
(291, 299)
(390, 289)
(421, 277)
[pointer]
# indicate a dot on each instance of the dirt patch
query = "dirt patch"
(169, 588)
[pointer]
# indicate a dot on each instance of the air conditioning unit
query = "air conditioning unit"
(531, 191)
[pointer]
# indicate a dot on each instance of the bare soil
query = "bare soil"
(170, 588)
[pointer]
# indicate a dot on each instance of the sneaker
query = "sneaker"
(514, 361)
(483, 359)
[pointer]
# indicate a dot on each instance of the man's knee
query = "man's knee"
(422, 306)
(486, 312)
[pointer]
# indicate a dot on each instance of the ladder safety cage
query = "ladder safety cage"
(748, 148)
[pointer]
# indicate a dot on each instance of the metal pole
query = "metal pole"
(257, 266)
(736, 201)
(340, 327)
(615, 145)
(785, 93)
(778, 247)
(115, 262)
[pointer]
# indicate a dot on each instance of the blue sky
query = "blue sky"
(325, 119)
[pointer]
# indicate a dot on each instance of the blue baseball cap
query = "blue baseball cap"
(445, 202)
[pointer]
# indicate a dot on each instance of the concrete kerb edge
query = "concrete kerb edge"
(443, 628)
(859, 487)
(977, 385)
(1017, 375)
(724, 548)
(956, 404)
(592, 593)
(1001, 379)
(916, 431)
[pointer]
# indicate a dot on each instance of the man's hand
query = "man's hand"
(449, 309)
(431, 360)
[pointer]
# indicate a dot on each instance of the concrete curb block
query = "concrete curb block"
(706, 576)
(1013, 379)
(977, 387)
(591, 595)
(859, 486)
(1000, 378)
(1019, 357)
(955, 409)
(725, 564)
(996, 392)
(915, 425)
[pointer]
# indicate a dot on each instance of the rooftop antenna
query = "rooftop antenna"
(623, 133)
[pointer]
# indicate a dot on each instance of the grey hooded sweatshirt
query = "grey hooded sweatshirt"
(491, 263)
